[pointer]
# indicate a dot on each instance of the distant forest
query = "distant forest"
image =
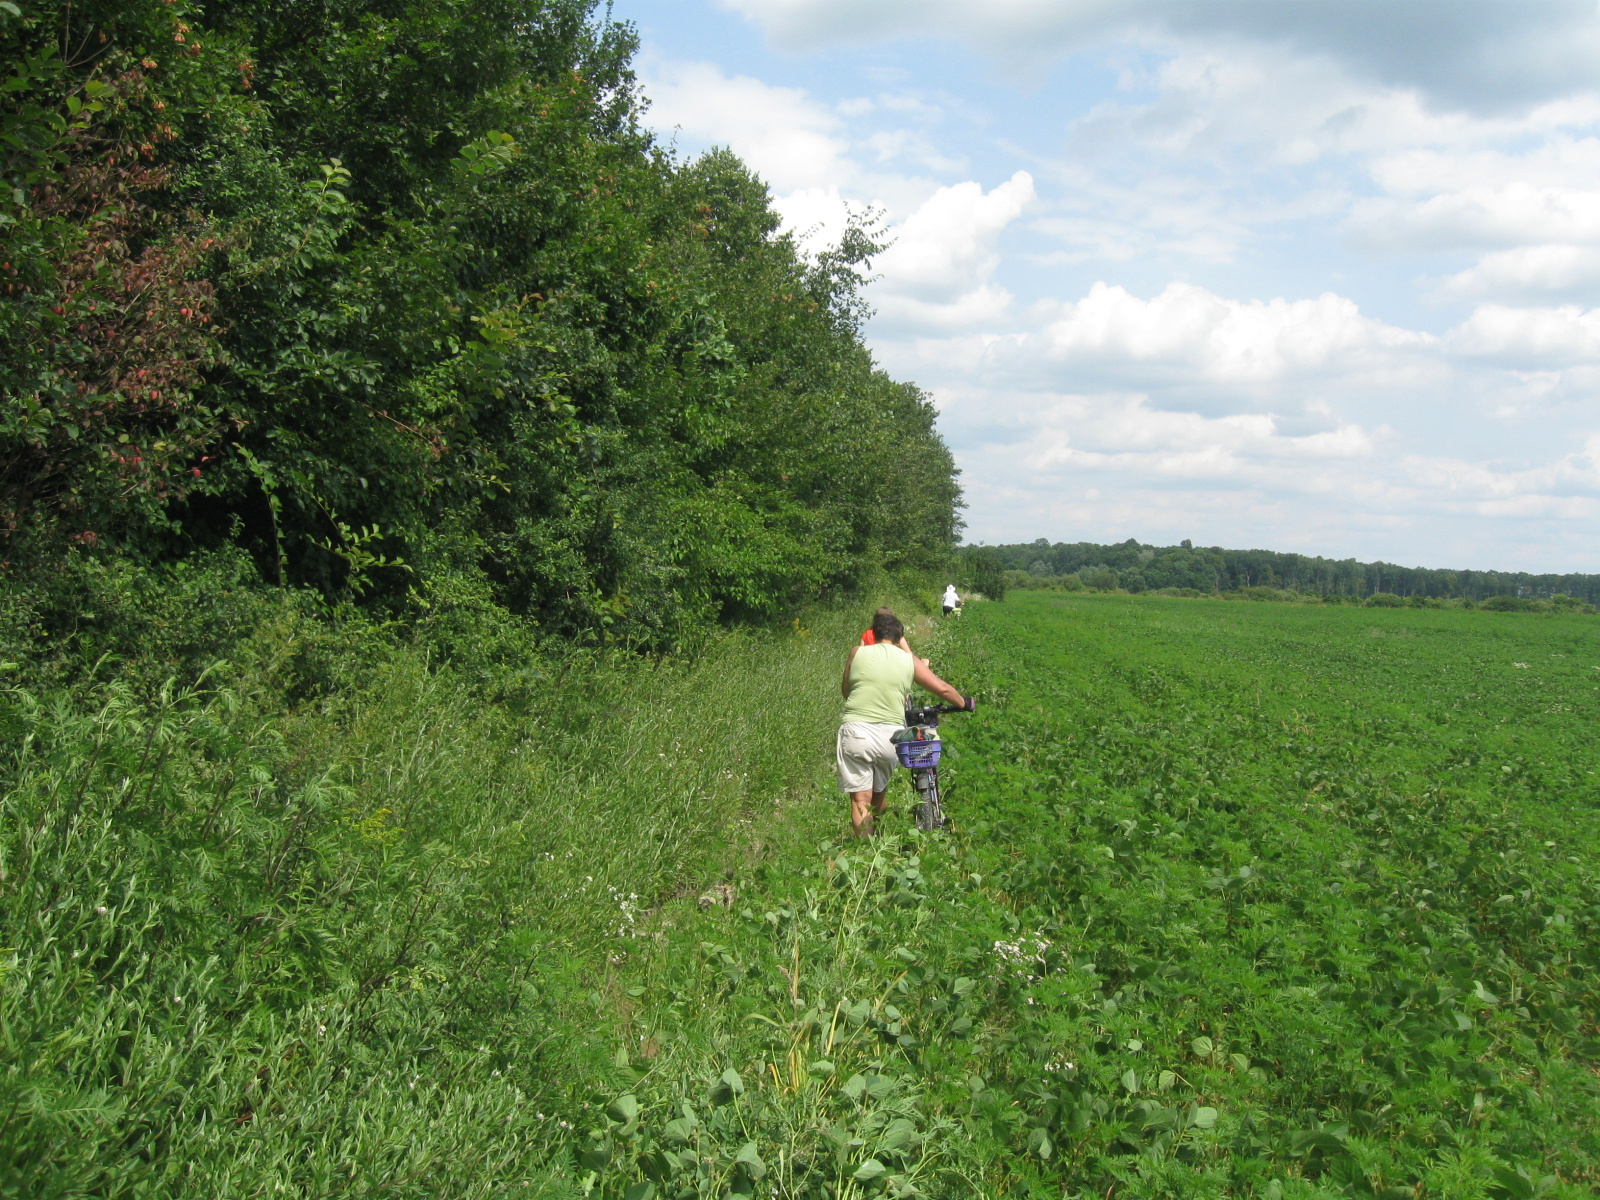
(1136, 567)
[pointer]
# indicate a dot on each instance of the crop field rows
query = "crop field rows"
(1242, 900)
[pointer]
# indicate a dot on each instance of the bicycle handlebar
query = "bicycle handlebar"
(919, 716)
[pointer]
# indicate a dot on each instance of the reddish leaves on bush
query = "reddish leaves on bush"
(119, 349)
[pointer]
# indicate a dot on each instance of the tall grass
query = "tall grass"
(362, 947)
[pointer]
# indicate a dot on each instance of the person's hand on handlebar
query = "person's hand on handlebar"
(934, 684)
(970, 703)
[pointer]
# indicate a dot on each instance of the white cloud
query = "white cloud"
(947, 246)
(1121, 431)
(1216, 101)
(983, 307)
(1239, 480)
(816, 215)
(1192, 348)
(1564, 489)
(789, 139)
(1226, 340)
(1216, 143)
(1213, 145)
(1476, 217)
(1482, 55)
(1240, 98)
(1528, 271)
(935, 276)
(1468, 153)
(1293, 423)
(936, 273)
(1530, 336)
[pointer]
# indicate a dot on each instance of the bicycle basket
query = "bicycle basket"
(917, 755)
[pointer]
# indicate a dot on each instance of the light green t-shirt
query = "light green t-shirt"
(880, 681)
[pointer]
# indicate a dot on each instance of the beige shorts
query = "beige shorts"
(865, 756)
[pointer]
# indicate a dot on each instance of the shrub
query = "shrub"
(1384, 600)
(1268, 594)
(982, 571)
(90, 615)
(1099, 579)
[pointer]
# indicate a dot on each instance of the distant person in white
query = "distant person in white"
(951, 600)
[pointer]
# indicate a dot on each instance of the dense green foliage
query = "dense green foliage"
(402, 300)
(360, 948)
(1136, 567)
(983, 571)
(1241, 900)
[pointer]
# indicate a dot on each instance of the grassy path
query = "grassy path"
(1243, 900)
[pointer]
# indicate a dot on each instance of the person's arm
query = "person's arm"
(934, 684)
(844, 684)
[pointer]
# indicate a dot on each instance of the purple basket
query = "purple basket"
(916, 755)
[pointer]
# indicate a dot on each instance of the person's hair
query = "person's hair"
(886, 626)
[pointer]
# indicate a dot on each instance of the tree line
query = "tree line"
(1137, 567)
(400, 304)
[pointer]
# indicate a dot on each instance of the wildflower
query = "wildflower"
(1025, 956)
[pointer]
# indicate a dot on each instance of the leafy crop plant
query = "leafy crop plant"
(1242, 900)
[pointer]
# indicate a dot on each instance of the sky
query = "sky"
(1281, 274)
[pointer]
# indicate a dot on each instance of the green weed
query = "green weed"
(365, 946)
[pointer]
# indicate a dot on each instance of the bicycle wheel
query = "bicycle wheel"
(929, 815)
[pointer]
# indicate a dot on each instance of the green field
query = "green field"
(1351, 849)
(1241, 900)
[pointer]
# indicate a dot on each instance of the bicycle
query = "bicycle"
(918, 746)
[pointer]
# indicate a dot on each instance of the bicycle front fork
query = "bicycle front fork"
(929, 813)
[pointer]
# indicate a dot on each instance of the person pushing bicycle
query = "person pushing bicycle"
(877, 681)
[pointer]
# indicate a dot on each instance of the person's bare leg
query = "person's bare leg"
(861, 814)
(860, 817)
